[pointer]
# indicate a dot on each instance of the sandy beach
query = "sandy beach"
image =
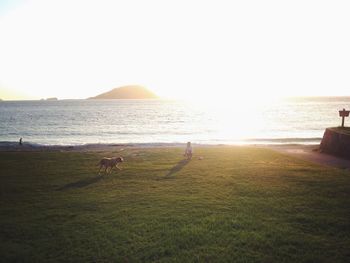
(29, 147)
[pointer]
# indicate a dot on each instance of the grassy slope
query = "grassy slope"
(241, 204)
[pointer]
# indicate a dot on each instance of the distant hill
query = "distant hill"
(127, 92)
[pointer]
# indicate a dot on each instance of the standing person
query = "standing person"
(188, 151)
(20, 141)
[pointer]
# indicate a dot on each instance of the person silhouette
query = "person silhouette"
(20, 141)
(188, 151)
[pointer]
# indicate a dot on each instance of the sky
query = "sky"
(178, 49)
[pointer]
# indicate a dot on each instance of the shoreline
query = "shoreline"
(7, 146)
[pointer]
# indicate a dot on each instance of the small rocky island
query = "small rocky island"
(127, 92)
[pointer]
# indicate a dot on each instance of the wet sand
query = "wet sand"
(28, 147)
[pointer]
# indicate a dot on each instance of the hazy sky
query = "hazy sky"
(182, 49)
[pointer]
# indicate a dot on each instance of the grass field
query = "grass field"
(238, 204)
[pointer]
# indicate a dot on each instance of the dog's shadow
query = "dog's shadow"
(177, 167)
(81, 183)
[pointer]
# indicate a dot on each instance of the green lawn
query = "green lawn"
(238, 204)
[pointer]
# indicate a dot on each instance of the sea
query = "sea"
(298, 120)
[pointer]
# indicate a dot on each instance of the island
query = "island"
(52, 99)
(127, 92)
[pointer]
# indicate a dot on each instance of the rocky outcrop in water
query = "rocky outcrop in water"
(127, 92)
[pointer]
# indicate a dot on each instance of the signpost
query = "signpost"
(343, 113)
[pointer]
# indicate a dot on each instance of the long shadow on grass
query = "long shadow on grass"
(177, 167)
(81, 183)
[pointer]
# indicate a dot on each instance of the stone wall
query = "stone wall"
(336, 142)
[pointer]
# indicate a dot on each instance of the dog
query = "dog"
(109, 163)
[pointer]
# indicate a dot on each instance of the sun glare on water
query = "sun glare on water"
(236, 118)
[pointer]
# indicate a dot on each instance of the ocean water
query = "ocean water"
(75, 122)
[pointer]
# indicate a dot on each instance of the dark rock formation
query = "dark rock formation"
(336, 141)
(127, 92)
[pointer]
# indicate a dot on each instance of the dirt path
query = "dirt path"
(310, 153)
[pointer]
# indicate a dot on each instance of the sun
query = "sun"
(235, 118)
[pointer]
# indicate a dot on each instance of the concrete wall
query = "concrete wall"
(335, 142)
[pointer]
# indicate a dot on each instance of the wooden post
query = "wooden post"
(343, 113)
